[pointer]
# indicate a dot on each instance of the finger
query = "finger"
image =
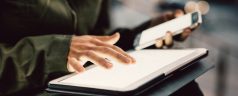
(99, 43)
(70, 68)
(109, 39)
(105, 51)
(74, 65)
(94, 58)
(123, 53)
(168, 39)
(178, 13)
(83, 46)
(112, 54)
(159, 43)
(185, 33)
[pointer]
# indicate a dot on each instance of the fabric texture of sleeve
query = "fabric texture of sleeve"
(29, 63)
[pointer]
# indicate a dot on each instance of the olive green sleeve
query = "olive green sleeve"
(27, 64)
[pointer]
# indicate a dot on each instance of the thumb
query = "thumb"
(178, 13)
(109, 39)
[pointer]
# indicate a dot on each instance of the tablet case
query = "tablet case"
(142, 89)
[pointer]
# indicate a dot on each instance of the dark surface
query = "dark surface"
(178, 81)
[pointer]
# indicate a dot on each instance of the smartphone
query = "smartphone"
(149, 36)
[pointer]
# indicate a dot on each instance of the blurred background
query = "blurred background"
(218, 33)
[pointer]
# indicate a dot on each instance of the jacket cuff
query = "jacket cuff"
(56, 59)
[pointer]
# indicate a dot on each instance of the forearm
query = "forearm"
(27, 64)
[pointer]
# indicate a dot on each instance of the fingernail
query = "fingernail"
(127, 61)
(82, 70)
(168, 40)
(108, 65)
(79, 71)
(159, 44)
(133, 61)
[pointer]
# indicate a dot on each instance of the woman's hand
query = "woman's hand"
(95, 49)
(168, 41)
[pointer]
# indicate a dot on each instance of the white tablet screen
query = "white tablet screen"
(122, 76)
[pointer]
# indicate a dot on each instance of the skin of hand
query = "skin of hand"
(168, 41)
(95, 49)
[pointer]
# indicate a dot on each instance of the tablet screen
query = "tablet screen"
(121, 76)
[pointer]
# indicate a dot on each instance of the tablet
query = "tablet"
(150, 64)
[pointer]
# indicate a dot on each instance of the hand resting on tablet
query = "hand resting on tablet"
(95, 49)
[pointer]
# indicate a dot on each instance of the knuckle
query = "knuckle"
(119, 56)
(92, 40)
(100, 47)
(104, 49)
(88, 47)
(102, 61)
(107, 49)
(83, 46)
(114, 47)
(73, 51)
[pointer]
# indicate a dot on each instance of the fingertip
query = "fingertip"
(108, 65)
(127, 61)
(114, 38)
(117, 34)
(159, 43)
(168, 39)
(70, 68)
(187, 30)
(69, 65)
(80, 70)
(133, 60)
(186, 34)
(76, 66)
(169, 35)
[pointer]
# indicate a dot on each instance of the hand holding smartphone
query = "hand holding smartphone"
(149, 36)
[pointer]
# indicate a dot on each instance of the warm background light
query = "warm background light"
(201, 6)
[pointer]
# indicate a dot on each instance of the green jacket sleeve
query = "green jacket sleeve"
(28, 64)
